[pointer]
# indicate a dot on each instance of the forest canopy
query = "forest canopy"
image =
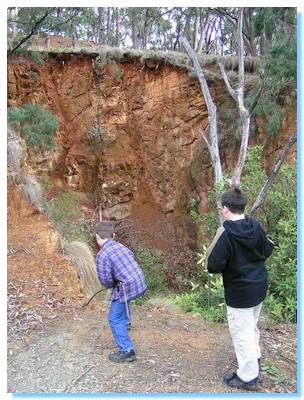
(210, 30)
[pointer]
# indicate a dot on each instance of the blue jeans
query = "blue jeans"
(118, 320)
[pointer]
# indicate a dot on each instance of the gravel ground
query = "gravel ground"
(176, 353)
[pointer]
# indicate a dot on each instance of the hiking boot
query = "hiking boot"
(129, 327)
(236, 382)
(122, 356)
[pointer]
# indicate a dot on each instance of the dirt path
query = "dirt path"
(176, 352)
(55, 346)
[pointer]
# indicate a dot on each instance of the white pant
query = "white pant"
(245, 336)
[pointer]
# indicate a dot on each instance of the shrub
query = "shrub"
(37, 125)
(211, 310)
(65, 206)
(154, 266)
(280, 83)
(83, 260)
(36, 58)
(278, 217)
(207, 296)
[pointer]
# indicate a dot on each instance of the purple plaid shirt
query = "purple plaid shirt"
(117, 268)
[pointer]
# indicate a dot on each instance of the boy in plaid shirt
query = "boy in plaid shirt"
(118, 269)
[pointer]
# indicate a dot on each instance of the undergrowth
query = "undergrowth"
(65, 212)
(154, 265)
(37, 125)
(278, 218)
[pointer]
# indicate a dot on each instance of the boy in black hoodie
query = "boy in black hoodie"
(238, 251)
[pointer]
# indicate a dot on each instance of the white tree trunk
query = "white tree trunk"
(238, 96)
(204, 28)
(195, 34)
(212, 141)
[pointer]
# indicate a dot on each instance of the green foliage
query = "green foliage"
(210, 220)
(274, 373)
(197, 302)
(34, 75)
(65, 212)
(278, 216)
(207, 296)
(37, 125)
(36, 58)
(280, 82)
(254, 175)
(154, 266)
(65, 207)
(279, 72)
(193, 203)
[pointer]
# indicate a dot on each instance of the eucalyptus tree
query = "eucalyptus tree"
(211, 135)
(26, 22)
(29, 21)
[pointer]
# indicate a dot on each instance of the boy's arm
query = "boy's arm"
(218, 252)
(103, 269)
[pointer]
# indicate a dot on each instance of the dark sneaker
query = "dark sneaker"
(234, 381)
(128, 327)
(122, 356)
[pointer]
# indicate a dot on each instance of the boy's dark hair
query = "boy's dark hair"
(105, 229)
(235, 200)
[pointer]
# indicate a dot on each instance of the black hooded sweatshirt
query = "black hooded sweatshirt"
(238, 251)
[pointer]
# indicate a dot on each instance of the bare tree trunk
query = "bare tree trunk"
(238, 96)
(204, 29)
(212, 142)
(267, 185)
(100, 27)
(108, 25)
(178, 30)
(135, 32)
(117, 41)
(249, 30)
(262, 45)
(248, 41)
(74, 35)
(195, 32)
(209, 36)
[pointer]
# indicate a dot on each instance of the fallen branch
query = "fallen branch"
(74, 380)
(92, 297)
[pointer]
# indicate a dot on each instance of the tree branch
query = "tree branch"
(201, 77)
(241, 54)
(232, 92)
(262, 195)
(258, 95)
(33, 30)
(201, 131)
(212, 144)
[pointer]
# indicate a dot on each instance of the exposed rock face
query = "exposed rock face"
(128, 133)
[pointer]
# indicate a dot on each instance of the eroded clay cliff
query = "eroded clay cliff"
(129, 132)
